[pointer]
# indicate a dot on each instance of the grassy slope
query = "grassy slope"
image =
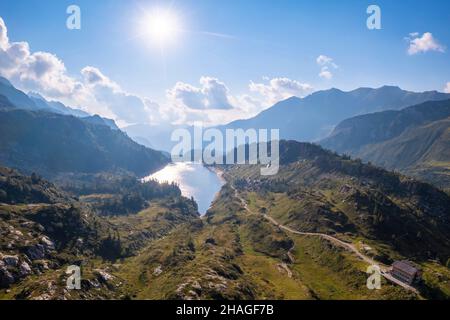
(133, 232)
(233, 254)
(326, 210)
(168, 253)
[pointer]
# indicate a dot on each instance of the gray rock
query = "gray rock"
(24, 269)
(41, 265)
(48, 244)
(11, 261)
(18, 233)
(27, 224)
(6, 278)
(36, 252)
(79, 243)
(103, 276)
(88, 284)
(158, 270)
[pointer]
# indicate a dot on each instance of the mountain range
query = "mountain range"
(249, 245)
(49, 138)
(308, 232)
(309, 119)
(314, 117)
(414, 140)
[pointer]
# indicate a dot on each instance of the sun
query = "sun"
(161, 27)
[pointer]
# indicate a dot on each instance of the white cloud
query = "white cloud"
(423, 44)
(212, 94)
(93, 76)
(38, 71)
(127, 107)
(190, 102)
(447, 88)
(280, 89)
(94, 92)
(326, 63)
(4, 41)
(325, 73)
(323, 60)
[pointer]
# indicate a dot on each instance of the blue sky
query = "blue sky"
(264, 40)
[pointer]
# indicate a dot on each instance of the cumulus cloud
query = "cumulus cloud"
(45, 73)
(279, 89)
(212, 94)
(38, 71)
(323, 60)
(93, 76)
(93, 91)
(326, 64)
(325, 73)
(127, 107)
(222, 107)
(4, 41)
(447, 88)
(424, 43)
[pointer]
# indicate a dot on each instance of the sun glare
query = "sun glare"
(161, 27)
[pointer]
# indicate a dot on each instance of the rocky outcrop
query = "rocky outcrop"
(36, 252)
(12, 269)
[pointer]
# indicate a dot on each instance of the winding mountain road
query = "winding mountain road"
(348, 246)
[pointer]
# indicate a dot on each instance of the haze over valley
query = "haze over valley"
(93, 178)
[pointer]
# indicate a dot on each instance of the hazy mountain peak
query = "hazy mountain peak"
(313, 117)
(291, 99)
(334, 90)
(33, 94)
(414, 140)
(5, 81)
(390, 87)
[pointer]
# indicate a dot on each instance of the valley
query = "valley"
(413, 140)
(308, 233)
(75, 196)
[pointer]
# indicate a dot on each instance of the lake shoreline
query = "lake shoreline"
(220, 174)
(195, 180)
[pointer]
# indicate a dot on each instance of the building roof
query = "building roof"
(406, 267)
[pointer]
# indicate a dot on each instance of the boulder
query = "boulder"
(24, 269)
(47, 243)
(10, 261)
(158, 270)
(103, 276)
(36, 252)
(211, 241)
(6, 278)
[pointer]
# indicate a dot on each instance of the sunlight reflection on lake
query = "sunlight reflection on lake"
(194, 180)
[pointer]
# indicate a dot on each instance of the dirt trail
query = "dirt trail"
(348, 246)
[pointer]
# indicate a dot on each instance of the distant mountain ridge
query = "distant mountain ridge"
(55, 106)
(15, 96)
(36, 102)
(313, 117)
(35, 139)
(96, 119)
(415, 140)
(378, 203)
